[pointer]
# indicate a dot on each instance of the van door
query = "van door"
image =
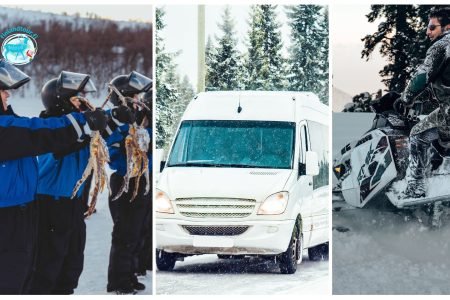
(303, 188)
(318, 134)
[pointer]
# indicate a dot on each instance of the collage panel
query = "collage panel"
(242, 155)
(390, 149)
(75, 122)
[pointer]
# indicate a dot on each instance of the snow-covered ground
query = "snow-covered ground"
(380, 251)
(206, 274)
(93, 280)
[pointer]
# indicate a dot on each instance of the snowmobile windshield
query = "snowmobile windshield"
(11, 77)
(234, 144)
(139, 82)
(76, 82)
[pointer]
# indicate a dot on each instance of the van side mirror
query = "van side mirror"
(312, 163)
(158, 160)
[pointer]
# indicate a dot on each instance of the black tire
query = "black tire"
(165, 261)
(319, 252)
(293, 255)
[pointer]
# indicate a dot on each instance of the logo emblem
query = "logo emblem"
(19, 48)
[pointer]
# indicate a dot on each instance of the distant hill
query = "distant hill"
(99, 47)
(340, 98)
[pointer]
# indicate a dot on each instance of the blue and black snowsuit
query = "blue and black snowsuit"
(21, 140)
(128, 217)
(62, 229)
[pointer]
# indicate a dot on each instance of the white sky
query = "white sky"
(143, 13)
(180, 32)
(351, 74)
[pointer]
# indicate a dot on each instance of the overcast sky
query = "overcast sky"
(142, 13)
(351, 74)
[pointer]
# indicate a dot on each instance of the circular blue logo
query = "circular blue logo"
(19, 48)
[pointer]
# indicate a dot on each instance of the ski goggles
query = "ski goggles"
(76, 82)
(11, 77)
(432, 27)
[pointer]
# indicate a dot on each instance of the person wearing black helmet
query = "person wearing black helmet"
(23, 139)
(128, 217)
(61, 226)
(144, 259)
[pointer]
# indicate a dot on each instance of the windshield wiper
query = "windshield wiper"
(210, 165)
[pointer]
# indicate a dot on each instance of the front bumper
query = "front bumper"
(261, 237)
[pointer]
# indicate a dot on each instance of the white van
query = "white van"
(247, 174)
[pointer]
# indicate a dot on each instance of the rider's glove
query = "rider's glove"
(123, 114)
(96, 120)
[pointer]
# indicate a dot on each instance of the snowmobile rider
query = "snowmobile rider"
(61, 225)
(128, 216)
(433, 73)
(22, 139)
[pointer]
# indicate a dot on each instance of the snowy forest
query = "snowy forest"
(262, 66)
(86, 44)
(401, 40)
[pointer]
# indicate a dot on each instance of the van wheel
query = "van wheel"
(319, 252)
(165, 261)
(294, 253)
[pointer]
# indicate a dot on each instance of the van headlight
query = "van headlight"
(274, 204)
(162, 203)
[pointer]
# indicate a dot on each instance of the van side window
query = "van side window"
(319, 144)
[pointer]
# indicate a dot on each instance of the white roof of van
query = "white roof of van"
(257, 105)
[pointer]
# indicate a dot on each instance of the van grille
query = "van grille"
(215, 230)
(215, 207)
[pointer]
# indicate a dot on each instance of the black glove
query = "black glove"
(399, 106)
(96, 119)
(123, 114)
(141, 114)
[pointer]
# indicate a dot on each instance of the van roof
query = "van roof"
(257, 105)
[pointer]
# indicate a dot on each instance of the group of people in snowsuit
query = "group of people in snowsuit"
(42, 228)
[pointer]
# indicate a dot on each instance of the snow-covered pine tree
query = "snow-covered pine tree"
(209, 54)
(166, 93)
(397, 35)
(224, 66)
(308, 54)
(186, 93)
(264, 65)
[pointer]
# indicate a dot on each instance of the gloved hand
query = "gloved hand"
(141, 114)
(96, 119)
(399, 106)
(123, 114)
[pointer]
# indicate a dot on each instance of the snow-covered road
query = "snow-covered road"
(206, 274)
(96, 255)
(383, 251)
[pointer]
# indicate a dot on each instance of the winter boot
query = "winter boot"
(414, 189)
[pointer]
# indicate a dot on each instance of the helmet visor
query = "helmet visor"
(11, 77)
(76, 82)
(139, 82)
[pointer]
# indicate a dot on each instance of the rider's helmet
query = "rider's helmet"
(57, 92)
(129, 85)
(11, 77)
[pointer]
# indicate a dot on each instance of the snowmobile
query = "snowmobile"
(375, 165)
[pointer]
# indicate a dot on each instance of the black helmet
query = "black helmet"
(130, 85)
(11, 77)
(57, 92)
(147, 98)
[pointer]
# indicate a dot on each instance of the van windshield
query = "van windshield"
(238, 144)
